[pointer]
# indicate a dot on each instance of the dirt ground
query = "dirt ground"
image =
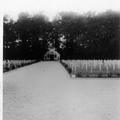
(44, 91)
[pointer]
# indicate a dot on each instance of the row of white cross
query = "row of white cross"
(9, 63)
(73, 64)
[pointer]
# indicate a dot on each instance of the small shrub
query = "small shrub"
(66, 65)
(18, 66)
(22, 64)
(79, 74)
(109, 74)
(13, 67)
(63, 64)
(69, 70)
(87, 75)
(7, 68)
(118, 74)
(100, 75)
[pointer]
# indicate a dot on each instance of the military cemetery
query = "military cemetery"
(61, 60)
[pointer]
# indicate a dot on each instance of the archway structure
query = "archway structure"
(51, 55)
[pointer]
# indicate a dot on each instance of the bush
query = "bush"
(69, 70)
(100, 75)
(13, 67)
(66, 65)
(79, 74)
(22, 64)
(7, 68)
(118, 74)
(109, 74)
(87, 75)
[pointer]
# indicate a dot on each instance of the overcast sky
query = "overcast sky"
(51, 7)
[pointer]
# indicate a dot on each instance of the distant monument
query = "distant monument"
(52, 55)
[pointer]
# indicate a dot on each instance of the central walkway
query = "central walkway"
(44, 91)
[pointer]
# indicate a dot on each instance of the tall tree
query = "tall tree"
(9, 38)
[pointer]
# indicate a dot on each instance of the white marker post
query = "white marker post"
(113, 67)
(75, 68)
(118, 64)
(72, 67)
(100, 66)
(107, 69)
(86, 67)
(91, 70)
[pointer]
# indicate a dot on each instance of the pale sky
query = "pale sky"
(51, 7)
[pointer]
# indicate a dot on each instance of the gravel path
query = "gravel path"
(43, 91)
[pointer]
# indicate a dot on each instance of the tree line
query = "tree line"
(75, 36)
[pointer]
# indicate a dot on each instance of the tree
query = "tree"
(31, 30)
(9, 37)
(75, 36)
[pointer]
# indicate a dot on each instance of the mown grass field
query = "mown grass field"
(95, 68)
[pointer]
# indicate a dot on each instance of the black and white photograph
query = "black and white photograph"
(60, 60)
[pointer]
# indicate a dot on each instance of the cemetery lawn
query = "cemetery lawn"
(92, 68)
(44, 91)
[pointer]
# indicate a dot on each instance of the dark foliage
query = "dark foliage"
(75, 36)
(79, 74)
